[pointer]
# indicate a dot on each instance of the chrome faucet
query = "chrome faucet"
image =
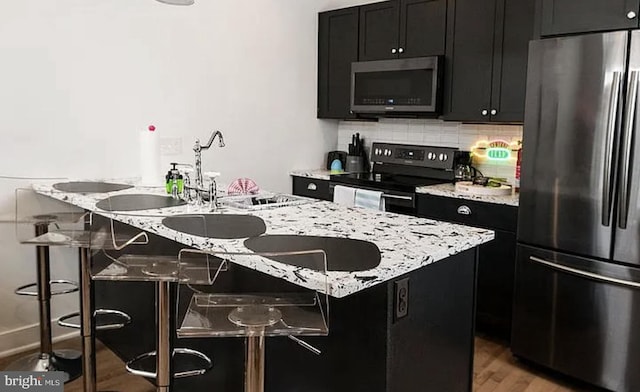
(197, 148)
(202, 193)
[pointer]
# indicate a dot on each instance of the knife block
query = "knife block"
(355, 164)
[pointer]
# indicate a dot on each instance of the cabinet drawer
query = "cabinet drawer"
(467, 212)
(311, 187)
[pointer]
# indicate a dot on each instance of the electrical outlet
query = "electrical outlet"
(170, 146)
(401, 304)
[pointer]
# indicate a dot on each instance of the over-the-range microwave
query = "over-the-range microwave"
(409, 86)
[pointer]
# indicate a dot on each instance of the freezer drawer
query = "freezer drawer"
(578, 316)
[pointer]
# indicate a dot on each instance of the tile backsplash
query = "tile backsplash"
(435, 133)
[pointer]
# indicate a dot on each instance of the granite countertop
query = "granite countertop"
(319, 174)
(406, 243)
(448, 190)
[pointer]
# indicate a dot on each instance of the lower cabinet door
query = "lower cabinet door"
(496, 269)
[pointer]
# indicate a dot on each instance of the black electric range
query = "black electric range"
(398, 169)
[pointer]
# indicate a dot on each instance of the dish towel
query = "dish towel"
(369, 199)
(344, 195)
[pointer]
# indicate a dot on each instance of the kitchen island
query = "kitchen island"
(369, 347)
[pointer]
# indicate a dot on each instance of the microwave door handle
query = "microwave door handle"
(627, 139)
(607, 191)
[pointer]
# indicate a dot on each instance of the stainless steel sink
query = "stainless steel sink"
(263, 201)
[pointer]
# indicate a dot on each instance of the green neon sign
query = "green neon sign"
(498, 153)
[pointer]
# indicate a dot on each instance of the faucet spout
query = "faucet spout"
(216, 134)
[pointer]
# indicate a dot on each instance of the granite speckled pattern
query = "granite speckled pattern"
(448, 190)
(406, 243)
(318, 174)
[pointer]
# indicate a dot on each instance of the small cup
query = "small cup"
(355, 164)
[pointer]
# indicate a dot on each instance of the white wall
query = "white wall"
(80, 78)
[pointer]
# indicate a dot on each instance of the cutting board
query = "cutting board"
(468, 188)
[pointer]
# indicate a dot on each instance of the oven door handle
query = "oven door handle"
(384, 195)
(397, 197)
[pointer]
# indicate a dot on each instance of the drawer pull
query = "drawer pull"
(464, 210)
(312, 187)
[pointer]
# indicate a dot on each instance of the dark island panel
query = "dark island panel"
(368, 348)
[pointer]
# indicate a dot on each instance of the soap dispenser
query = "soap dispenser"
(174, 181)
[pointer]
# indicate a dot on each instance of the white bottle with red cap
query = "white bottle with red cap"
(151, 175)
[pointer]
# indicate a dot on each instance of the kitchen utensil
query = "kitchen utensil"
(464, 172)
(483, 181)
(355, 164)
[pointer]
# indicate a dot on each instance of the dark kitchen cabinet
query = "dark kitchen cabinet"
(487, 52)
(580, 16)
(311, 187)
(496, 259)
(402, 29)
(337, 49)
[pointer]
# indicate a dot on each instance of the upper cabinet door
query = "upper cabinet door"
(469, 60)
(578, 16)
(379, 31)
(422, 28)
(337, 49)
(514, 30)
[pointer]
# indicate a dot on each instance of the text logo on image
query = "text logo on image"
(32, 381)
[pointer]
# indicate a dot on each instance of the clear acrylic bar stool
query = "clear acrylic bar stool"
(32, 218)
(251, 314)
(69, 228)
(163, 271)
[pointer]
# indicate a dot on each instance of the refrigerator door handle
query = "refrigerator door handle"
(627, 138)
(586, 274)
(607, 189)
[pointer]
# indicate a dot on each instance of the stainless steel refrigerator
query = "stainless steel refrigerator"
(577, 292)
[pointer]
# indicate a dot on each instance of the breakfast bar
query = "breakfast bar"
(404, 323)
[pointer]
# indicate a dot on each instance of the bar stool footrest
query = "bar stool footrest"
(144, 365)
(105, 319)
(67, 286)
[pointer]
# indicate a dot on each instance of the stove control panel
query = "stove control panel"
(414, 155)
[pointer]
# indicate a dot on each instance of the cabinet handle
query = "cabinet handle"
(394, 50)
(631, 15)
(464, 210)
(485, 112)
(312, 187)
(401, 50)
(494, 112)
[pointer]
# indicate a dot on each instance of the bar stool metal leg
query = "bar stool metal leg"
(254, 364)
(47, 359)
(88, 328)
(164, 348)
